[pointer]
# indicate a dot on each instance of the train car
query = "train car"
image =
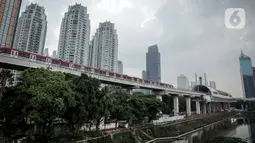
(40, 58)
(87, 69)
(55, 61)
(136, 79)
(140, 80)
(118, 75)
(64, 64)
(96, 70)
(124, 76)
(77, 66)
(111, 74)
(128, 77)
(5, 50)
(103, 72)
(147, 81)
(170, 86)
(24, 54)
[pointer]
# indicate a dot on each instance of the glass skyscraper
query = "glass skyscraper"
(153, 67)
(247, 76)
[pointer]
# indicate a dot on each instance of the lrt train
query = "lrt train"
(61, 63)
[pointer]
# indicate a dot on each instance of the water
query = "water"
(241, 128)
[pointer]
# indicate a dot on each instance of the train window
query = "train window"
(41, 58)
(32, 57)
(64, 64)
(77, 66)
(87, 69)
(14, 53)
(111, 74)
(55, 62)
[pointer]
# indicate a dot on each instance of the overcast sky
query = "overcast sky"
(190, 34)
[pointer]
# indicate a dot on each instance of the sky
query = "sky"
(190, 34)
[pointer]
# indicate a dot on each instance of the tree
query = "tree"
(5, 76)
(154, 106)
(14, 121)
(86, 90)
(117, 104)
(44, 95)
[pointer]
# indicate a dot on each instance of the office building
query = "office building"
(212, 84)
(46, 52)
(105, 47)
(120, 67)
(182, 82)
(54, 54)
(31, 30)
(153, 67)
(144, 74)
(192, 84)
(246, 72)
(9, 13)
(74, 36)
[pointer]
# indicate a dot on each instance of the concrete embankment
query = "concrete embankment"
(169, 131)
(178, 131)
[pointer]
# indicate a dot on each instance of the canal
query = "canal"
(238, 127)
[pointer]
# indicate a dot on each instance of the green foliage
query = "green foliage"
(42, 96)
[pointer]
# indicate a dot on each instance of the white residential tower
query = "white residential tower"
(74, 37)
(105, 47)
(31, 30)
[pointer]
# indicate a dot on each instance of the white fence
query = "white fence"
(167, 118)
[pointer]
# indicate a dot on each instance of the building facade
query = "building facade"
(144, 74)
(247, 76)
(74, 36)
(9, 13)
(120, 67)
(31, 30)
(105, 47)
(182, 82)
(153, 66)
(54, 54)
(46, 52)
(212, 84)
(192, 84)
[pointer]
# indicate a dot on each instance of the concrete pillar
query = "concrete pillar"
(159, 97)
(176, 105)
(214, 107)
(188, 106)
(204, 108)
(198, 107)
(209, 108)
(224, 106)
